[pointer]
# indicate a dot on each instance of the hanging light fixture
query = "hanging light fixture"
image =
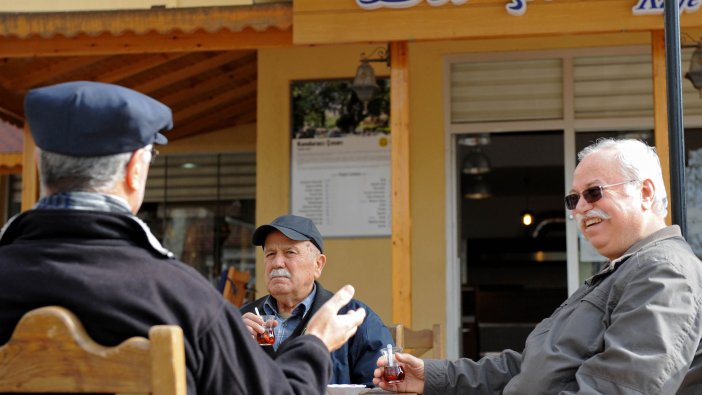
(365, 84)
(694, 74)
(477, 189)
(475, 161)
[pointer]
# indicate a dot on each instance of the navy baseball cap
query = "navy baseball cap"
(293, 227)
(83, 118)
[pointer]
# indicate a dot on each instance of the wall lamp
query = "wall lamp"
(364, 84)
(694, 74)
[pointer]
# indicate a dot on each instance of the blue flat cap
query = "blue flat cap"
(85, 118)
(293, 227)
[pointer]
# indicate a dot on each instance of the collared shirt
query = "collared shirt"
(85, 201)
(286, 326)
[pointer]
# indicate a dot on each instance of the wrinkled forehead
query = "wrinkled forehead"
(596, 169)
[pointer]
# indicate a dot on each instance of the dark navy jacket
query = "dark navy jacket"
(103, 267)
(355, 361)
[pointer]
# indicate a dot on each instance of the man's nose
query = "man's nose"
(278, 261)
(582, 206)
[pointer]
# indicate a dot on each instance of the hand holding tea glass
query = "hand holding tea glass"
(261, 327)
(412, 368)
(392, 372)
(267, 338)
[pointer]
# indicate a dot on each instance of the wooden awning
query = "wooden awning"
(201, 62)
(159, 20)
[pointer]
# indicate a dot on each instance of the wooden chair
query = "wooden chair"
(50, 351)
(235, 286)
(419, 342)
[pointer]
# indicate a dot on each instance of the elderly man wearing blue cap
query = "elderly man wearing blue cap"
(83, 248)
(293, 254)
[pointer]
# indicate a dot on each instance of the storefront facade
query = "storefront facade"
(570, 59)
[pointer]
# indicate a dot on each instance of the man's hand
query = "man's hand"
(334, 329)
(254, 323)
(414, 374)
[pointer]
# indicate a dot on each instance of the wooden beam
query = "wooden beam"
(660, 108)
(152, 42)
(33, 77)
(202, 108)
(238, 76)
(30, 180)
(136, 66)
(202, 124)
(194, 68)
(400, 200)
(11, 106)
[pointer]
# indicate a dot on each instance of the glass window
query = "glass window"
(202, 208)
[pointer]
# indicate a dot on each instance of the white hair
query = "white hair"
(65, 173)
(637, 161)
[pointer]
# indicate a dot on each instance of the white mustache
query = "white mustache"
(594, 213)
(279, 273)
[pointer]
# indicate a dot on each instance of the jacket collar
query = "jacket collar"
(668, 232)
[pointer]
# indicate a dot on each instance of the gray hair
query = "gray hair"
(64, 173)
(312, 250)
(637, 161)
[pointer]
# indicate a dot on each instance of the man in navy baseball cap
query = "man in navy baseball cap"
(293, 227)
(293, 252)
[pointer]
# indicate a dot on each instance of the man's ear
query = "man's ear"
(320, 261)
(135, 167)
(648, 193)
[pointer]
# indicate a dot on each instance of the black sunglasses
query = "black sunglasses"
(591, 195)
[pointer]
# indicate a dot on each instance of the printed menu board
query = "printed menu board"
(343, 184)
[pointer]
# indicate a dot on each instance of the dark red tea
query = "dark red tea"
(266, 339)
(393, 374)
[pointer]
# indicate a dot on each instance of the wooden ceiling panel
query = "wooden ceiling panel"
(136, 65)
(216, 119)
(197, 88)
(203, 89)
(53, 72)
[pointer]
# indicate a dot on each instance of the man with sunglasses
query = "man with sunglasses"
(633, 328)
(82, 247)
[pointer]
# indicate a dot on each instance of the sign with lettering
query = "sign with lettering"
(373, 4)
(340, 158)
(654, 7)
(519, 7)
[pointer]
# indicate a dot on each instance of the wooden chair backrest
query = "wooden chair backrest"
(419, 342)
(235, 286)
(50, 351)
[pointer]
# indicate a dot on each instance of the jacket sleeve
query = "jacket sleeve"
(653, 330)
(231, 362)
(364, 348)
(488, 376)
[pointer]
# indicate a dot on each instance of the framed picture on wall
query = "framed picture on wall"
(340, 158)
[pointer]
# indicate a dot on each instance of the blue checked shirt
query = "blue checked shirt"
(287, 326)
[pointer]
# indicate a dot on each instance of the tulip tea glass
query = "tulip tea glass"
(267, 338)
(392, 372)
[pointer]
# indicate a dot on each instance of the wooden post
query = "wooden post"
(660, 108)
(30, 180)
(400, 168)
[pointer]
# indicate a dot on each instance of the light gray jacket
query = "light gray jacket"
(634, 328)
